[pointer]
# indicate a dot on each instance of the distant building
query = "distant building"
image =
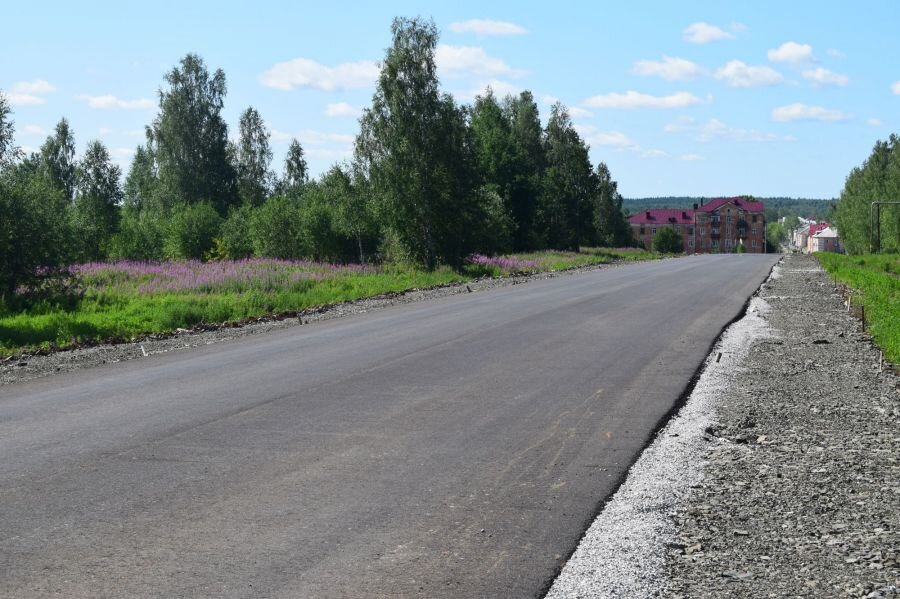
(720, 225)
(825, 239)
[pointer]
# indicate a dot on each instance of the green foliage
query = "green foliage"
(141, 182)
(878, 179)
(296, 172)
(877, 279)
(192, 231)
(740, 249)
(189, 138)
(567, 185)
(8, 150)
(612, 230)
(235, 241)
(667, 241)
(141, 236)
(99, 193)
(34, 236)
(413, 147)
(253, 156)
(57, 160)
(275, 229)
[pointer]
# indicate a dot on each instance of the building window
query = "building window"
(690, 230)
(702, 230)
(678, 227)
(754, 218)
(728, 243)
(728, 218)
(642, 230)
(653, 231)
(690, 243)
(754, 227)
(753, 243)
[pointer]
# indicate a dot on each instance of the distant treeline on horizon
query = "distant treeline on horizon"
(814, 208)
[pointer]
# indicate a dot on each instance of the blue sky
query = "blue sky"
(686, 98)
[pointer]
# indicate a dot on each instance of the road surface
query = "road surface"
(457, 447)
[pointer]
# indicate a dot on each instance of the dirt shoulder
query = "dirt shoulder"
(800, 488)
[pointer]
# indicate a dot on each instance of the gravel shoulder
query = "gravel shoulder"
(26, 367)
(779, 477)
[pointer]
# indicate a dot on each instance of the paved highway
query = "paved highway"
(457, 447)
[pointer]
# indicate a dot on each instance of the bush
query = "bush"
(35, 238)
(235, 234)
(275, 229)
(140, 237)
(667, 241)
(192, 231)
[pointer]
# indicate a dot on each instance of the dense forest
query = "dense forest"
(877, 179)
(776, 208)
(431, 181)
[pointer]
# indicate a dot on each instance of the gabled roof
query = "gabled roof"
(816, 227)
(826, 232)
(662, 217)
(741, 203)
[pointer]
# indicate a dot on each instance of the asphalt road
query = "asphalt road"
(457, 447)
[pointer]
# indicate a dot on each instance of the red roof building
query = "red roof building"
(720, 225)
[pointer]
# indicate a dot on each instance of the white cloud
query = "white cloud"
(716, 129)
(104, 130)
(458, 61)
(35, 130)
(580, 113)
(682, 123)
(38, 86)
(329, 154)
(653, 153)
(17, 99)
(737, 26)
(670, 69)
(278, 136)
(633, 99)
(823, 76)
(874, 122)
(549, 100)
(109, 101)
(340, 109)
(791, 52)
(804, 112)
(487, 27)
(303, 72)
(896, 88)
(835, 53)
(308, 136)
(691, 157)
(121, 153)
(500, 88)
(739, 74)
(135, 132)
(703, 33)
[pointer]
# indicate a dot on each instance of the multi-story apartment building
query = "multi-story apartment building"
(720, 225)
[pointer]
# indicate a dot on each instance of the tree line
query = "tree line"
(877, 179)
(430, 181)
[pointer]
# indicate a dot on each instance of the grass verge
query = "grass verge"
(876, 278)
(126, 300)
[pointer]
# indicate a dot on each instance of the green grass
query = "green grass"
(877, 279)
(121, 303)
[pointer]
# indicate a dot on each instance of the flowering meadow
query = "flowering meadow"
(128, 299)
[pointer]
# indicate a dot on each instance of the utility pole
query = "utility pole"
(875, 224)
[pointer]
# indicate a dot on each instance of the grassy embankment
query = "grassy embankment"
(877, 281)
(130, 299)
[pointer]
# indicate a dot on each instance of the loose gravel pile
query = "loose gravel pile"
(801, 489)
(27, 367)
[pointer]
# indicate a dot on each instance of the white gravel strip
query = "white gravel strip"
(623, 553)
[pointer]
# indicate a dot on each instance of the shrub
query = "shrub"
(236, 241)
(667, 241)
(140, 237)
(275, 229)
(192, 231)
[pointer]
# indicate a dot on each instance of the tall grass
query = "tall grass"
(877, 278)
(124, 300)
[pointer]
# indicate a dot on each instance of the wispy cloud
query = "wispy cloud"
(307, 73)
(739, 74)
(112, 102)
(580, 113)
(341, 109)
(703, 33)
(37, 86)
(791, 53)
(873, 122)
(822, 76)
(669, 68)
(805, 112)
(34, 130)
(835, 53)
(595, 137)
(487, 27)
(715, 129)
(653, 153)
(19, 99)
(633, 99)
(311, 137)
(896, 88)
(691, 157)
(460, 61)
